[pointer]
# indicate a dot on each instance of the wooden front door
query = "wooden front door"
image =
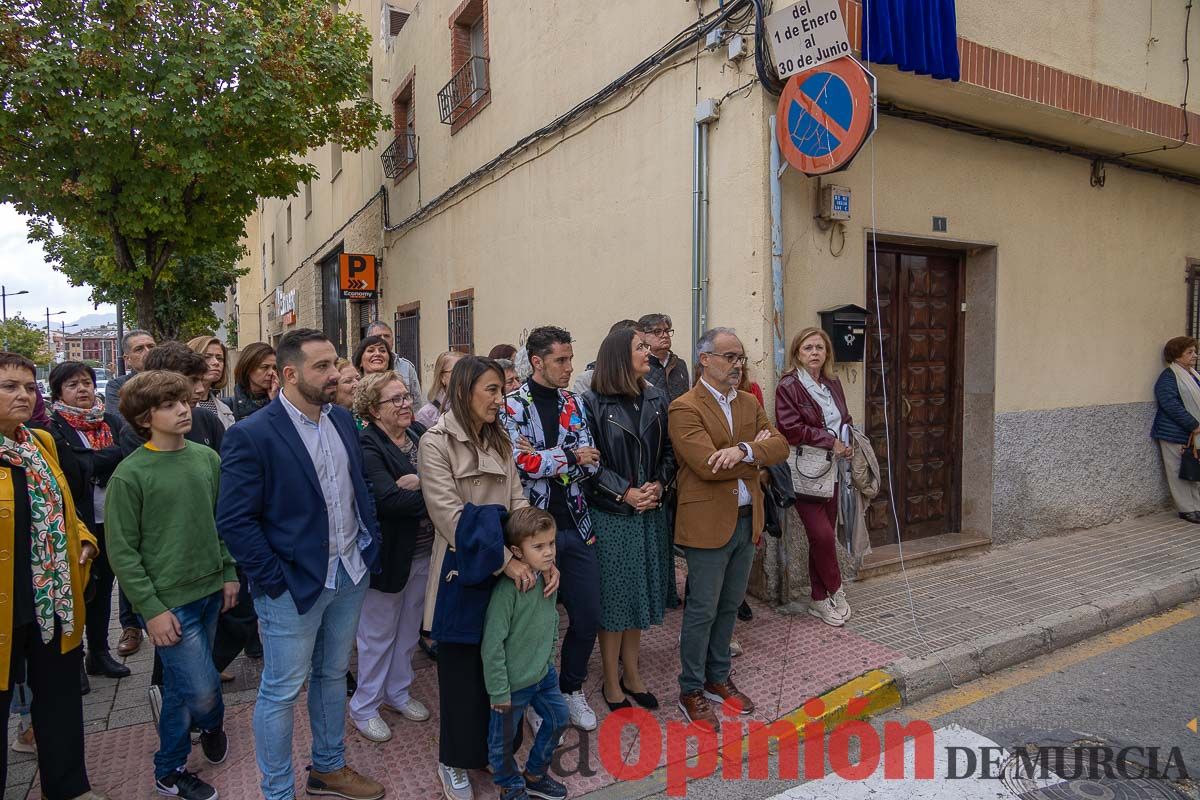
(917, 314)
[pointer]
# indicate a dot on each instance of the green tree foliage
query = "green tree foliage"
(154, 125)
(19, 335)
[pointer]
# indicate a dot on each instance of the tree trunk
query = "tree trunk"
(144, 308)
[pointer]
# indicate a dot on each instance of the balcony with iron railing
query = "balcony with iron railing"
(467, 90)
(400, 156)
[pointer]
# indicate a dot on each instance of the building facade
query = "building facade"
(546, 166)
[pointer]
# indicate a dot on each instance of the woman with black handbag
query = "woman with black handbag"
(810, 410)
(1177, 423)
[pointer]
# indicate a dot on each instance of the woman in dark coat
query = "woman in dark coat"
(88, 438)
(255, 382)
(629, 427)
(390, 624)
(810, 410)
(1177, 420)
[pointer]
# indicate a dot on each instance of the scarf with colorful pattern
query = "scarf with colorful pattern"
(49, 561)
(90, 422)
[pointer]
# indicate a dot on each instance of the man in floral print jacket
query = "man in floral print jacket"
(553, 450)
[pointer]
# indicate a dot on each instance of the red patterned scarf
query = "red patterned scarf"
(89, 422)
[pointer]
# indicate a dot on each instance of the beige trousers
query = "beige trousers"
(1186, 494)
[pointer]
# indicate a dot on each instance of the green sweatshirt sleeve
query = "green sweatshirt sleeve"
(495, 630)
(228, 565)
(123, 538)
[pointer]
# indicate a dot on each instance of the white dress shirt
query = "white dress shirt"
(725, 401)
(332, 463)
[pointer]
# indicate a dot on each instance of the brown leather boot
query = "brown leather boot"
(696, 708)
(727, 692)
(344, 783)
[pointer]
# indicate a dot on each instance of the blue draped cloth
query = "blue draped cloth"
(916, 35)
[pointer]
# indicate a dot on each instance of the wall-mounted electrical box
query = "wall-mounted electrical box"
(835, 202)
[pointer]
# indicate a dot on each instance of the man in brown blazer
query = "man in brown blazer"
(722, 438)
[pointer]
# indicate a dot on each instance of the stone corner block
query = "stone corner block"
(1020, 643)
(918, 678)
(1124, 607)
(1072, 625)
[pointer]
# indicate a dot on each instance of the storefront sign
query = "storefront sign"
(357, 276)
(825, 115)
(806, 35)
(285, 305)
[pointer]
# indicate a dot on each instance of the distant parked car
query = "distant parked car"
(100, 390)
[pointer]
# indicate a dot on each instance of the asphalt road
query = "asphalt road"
(1138, 686)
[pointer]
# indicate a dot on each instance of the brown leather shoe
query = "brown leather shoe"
(696, 708)
(344, 783)
(131, 640)
(727, 692)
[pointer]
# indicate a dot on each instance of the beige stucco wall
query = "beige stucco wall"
(1133, 46)
(1090, 282)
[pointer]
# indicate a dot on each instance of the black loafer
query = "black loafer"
(745, 612)
(615, 706)
(1191, 516)
(643, 699)
(104, 664)
(85, 686)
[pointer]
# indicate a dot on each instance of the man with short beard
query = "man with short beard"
(297, 514)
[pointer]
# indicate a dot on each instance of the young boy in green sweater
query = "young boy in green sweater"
(164, 549)
(519, 634)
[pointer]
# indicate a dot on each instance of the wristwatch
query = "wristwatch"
(745, 448)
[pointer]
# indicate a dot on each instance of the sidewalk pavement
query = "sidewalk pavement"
(976, 614)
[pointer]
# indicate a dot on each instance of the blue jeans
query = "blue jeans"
(547, 700)
(294, 643)
(191, 692)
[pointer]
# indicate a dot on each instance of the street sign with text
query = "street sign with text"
(806, 35)
(357, 276)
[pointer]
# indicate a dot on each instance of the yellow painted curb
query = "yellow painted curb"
(875, 692)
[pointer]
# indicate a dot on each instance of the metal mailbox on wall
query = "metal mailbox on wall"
(847, 328)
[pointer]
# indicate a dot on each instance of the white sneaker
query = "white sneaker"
(735, 648)
(456, 785)
(413, 710)
(374, 729)
(582, 716)
(155, 693)
(840, 604)
(825, 611)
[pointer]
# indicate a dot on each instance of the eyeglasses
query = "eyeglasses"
(732, 358)
(399, 401)
(661, 332)
(642, 347)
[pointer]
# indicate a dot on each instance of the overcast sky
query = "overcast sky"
(23, 266)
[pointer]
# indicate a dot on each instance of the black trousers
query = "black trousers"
(125, 611)
(57, 711)
(99, 607)
(580, 595)
(236, 628)
(466, 709)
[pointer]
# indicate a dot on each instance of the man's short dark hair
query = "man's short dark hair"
(526, 522)
(290, 350)
(651, 321)
(65, 372)
(625, 324)
(542, 340)
(177, 357)
(129, 335)
(148, 390)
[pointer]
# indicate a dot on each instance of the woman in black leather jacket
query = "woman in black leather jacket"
(628, 419)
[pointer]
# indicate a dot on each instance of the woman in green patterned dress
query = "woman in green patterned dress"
(628, 418)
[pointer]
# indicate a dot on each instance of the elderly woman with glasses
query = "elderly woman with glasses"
(389, 627)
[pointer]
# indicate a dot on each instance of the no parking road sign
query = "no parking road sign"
(357, 277)
(825, 115)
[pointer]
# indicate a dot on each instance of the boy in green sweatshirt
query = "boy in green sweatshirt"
(519, 634)
(176, 572)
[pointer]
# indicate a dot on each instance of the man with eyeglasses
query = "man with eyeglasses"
(722, 438)
(668, 371)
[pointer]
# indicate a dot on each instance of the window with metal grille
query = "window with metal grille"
(408, 333)
(461, 321)
(1193, 302)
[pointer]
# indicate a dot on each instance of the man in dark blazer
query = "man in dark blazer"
(297, 514)
(722, 439)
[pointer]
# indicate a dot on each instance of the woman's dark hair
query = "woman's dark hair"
(467, 372)
(361, 350)
(17, 361)
(1176, 347)
(64, 372)
(250, 359)
(502, 351)
(614, 373)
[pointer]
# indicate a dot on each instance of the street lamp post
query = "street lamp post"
(4, 295)
(49, 338)
(63, 324)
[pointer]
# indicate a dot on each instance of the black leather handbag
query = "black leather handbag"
(1189, 465)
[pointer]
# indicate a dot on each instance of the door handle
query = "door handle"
(907, 406)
